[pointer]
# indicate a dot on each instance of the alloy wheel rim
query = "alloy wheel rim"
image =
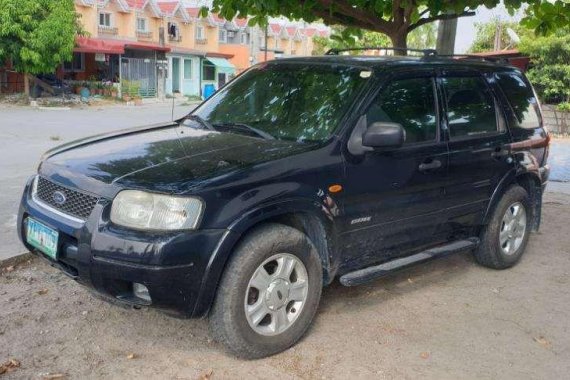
(513, 228)
(276, 294)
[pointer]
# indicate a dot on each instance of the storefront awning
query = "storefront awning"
(222, 65)
(97, 45)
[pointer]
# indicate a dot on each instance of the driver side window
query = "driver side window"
(410, 102)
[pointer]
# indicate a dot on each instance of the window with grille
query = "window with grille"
(105, 19)
(141, 24)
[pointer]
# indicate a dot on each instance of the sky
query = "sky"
(466, 25)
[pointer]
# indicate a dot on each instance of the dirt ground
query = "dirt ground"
(446, 320)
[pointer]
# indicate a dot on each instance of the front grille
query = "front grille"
(75, 203)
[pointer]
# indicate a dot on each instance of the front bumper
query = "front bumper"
(173, 266)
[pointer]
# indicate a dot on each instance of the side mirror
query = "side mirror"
(384, 135)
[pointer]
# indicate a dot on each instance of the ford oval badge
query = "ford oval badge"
(58, 197)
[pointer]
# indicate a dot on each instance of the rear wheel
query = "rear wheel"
(269, 292)
(504, 239)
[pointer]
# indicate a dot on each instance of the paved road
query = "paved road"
(560, 160)
(25, 133)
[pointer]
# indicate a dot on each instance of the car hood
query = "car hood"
(164, 157)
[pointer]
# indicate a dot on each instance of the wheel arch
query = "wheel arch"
(304, 215)
(531, 182)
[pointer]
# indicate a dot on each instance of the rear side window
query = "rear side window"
(521, 98)
(411, 103)
(470, 107)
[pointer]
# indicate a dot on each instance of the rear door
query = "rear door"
(393, 198)
(478, 146)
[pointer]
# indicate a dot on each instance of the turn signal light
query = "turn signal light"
(335, 188)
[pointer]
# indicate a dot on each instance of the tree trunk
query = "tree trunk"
(26, 85)
(446, 32)
(400, 41)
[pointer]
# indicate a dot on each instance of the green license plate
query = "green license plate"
(42, 237)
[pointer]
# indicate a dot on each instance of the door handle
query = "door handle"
(433, 164)
(500, 152)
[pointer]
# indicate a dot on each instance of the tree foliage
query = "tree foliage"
(37, 35)
(485, 35)
(423, 37)
(394, 18)
(550, 70)
(340, 38)
(547, 17)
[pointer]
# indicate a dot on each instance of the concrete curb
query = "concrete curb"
(15, 260)
(54, 108)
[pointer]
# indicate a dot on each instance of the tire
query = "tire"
(495, 250)
(271, 247)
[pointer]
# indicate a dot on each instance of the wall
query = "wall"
(555, 121)
(88, 18)
(240, 54)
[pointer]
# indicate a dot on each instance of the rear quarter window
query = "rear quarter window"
(521, 100)
(470, 107)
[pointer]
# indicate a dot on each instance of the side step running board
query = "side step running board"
(365, 275)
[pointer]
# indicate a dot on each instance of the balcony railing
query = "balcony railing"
(172, 38)
(108, 30)
(202, 41)
(144, 35)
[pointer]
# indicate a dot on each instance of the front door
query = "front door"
(222, 79)
(478, 159)
(392, 199)
(175, 75)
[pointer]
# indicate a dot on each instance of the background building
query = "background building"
(154, 48)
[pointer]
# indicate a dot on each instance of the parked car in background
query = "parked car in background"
(298, 172)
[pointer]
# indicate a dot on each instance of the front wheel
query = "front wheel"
(269, 292)
(504, 239)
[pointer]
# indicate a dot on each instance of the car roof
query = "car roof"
(380, 62)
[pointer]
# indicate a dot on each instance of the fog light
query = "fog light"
(141, 291)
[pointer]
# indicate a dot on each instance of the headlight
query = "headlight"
(147, 211)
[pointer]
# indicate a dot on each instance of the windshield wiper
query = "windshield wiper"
(201, 121)
(245, 127)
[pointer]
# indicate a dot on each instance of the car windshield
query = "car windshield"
(298, 102)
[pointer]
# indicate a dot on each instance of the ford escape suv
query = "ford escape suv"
(298, 172)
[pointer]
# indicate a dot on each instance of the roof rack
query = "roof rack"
(424, 52)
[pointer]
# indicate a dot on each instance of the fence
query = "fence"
(557, 122)
(142, 73)
(11, 82)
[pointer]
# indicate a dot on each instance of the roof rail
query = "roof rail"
(474, 56)
(424, 52)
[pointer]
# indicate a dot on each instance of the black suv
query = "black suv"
(298, 172)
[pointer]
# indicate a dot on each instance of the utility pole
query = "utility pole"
(498, 34)
(266, 35)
